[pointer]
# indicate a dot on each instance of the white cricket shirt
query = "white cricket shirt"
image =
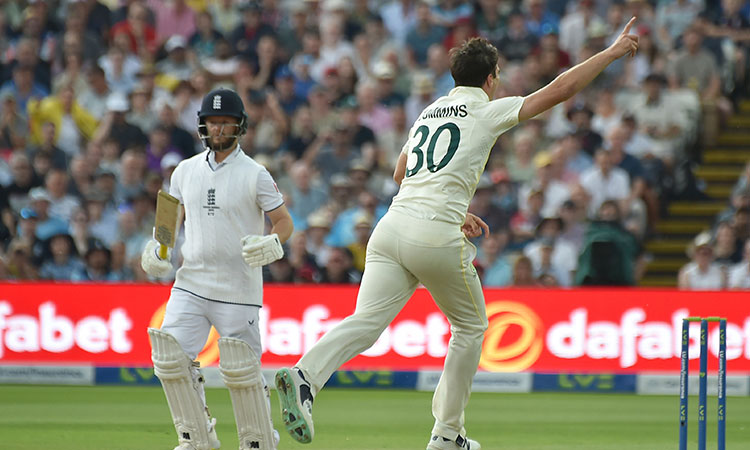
(223, 203)
(447, 150)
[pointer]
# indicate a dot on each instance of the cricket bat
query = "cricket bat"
(165, 226)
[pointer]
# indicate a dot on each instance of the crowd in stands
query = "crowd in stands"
(720, 257)
(98, 102)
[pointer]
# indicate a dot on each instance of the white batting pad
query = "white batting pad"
(172, 367)
(240, 368)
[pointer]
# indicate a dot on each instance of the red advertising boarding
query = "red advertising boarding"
(596, 330)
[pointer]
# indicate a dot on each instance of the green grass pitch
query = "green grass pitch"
(129, 418)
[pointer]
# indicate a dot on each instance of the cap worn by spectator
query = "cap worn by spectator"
(703, 239)
(542, 159)
(335, 5)
(170, 160)
(363, 220)
(318, 220)
(95, 245)
(384, 70)
(580, 108)
(28, 213)
(283, 72)
(105, 171)
(175, 42)
(359, 164)
(39, 193)
(340, 180)
(422, 84)
(117, 102)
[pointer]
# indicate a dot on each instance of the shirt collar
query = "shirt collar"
(211, 158)
(475, 92)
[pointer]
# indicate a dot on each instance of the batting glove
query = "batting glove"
(152, 264)
(258, 251)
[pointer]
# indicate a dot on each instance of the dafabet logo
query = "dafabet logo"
(514, 338)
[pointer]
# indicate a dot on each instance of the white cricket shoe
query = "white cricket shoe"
(296, 402)
(213, 440)
(441, 443)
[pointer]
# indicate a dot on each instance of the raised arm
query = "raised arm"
(570, 82)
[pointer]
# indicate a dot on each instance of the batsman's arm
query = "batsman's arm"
(281, 223)
(570, 82)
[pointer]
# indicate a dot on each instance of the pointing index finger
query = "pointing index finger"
(627, 27)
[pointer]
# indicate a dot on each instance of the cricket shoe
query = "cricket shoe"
(441, 443)
(296, 402)
(213, 439)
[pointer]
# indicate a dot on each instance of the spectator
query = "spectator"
(173, 18)
(523, 273)
(727, 248)
(574, 27)
(481, 205)
(98, 264)
(307, 194)
(339, 269)
(694, 68)
(245, 36)
(604, 181)
(739, 275)
(492, 262)
(555, 191)
(303, 263)
(658, 117)
(72, 124)
(46, 225)
(62, 203)
(610, 254)
(518, 41)
(18, 264)
(177, 65)
(14, 127)
(226, 15)
(363, 224)
(94, 96)
(562, 258)
(702, 272)
(422, 34)
(521, 162)
(62, 258)
(23, 179)
(540, 20)
(318, 227)
(438, 64)
(141, 36)
(23, 87)
(46, 146)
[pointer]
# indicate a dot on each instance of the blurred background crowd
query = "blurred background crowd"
(98, 102)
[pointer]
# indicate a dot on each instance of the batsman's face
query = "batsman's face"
(222, 129)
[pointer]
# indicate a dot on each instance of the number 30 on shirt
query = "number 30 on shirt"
(424, 132)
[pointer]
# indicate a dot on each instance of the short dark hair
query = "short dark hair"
(473, 61)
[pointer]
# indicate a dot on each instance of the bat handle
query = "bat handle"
(163, 251)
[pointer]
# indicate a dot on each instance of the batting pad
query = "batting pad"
(240, 368)
(172, 367)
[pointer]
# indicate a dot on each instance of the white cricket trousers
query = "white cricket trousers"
(189, 317)
(403, 252)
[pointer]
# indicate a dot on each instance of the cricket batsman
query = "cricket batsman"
(224, 196)
(423, 236)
